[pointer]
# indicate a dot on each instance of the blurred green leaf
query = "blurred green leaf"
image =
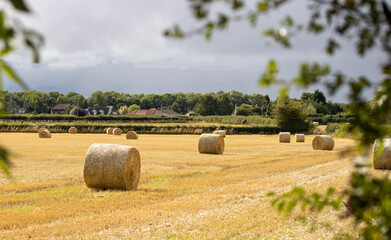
(20, 5)
(12, 75)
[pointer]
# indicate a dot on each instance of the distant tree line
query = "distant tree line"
(219, 103)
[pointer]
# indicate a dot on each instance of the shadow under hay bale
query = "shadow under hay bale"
(323, 142)
(117, 131)
(300, 137)
(112, 166)
(383, 161)
(131, 135)
(45, 134)
(72, 130)
(220, 132)
(284, 137)
(211, 143)
(109, 130)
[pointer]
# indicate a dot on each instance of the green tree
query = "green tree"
(207, 104)
(290, 115)
(123, 110)
(133, 107)
(245, 110)
(225, 106)
(175, 107)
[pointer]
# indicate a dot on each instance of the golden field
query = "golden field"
(181, 195)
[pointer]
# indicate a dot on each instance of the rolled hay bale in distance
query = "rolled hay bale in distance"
(109, 130)
(220, 132)
(131, 135)
(323, 142)
(112, 166)
(284, 137)
(383, 161)
(300, 137)
(315, 124)
(41, 129)
(44, 134)
(211, 143)
(72, 130)
(117, 131)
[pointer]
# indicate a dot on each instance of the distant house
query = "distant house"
(59, 108)
(152, 111)
(16, 110)
(109, 110)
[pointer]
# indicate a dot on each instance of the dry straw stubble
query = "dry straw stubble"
(72, 130)
(131, 135)
(284, 137)
(382, 161)
(211, 143)
(323, 142)
(300, 137)
(112, 166)
(44, 134)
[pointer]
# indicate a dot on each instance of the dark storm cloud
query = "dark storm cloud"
(118, 45)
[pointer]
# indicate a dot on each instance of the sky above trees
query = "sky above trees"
(118, 46)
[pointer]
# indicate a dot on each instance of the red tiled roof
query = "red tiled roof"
(151, 111)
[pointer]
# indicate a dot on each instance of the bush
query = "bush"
(290, 116)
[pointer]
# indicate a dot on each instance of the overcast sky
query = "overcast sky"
(118, 45)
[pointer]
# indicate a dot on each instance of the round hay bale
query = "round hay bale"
(112, 166)
(323, 142)
(315, 124)
(284, 137)
(220, 132)
(299, 137)
(45, 134)
(109, 130)
(117, 131)
(41, 129)
(72, 130)
(383, 161)
(211, 143)
(131, 135)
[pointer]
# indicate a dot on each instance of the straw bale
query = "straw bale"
(131, 135)
(117, 131)
(315, 124)
(299, 137)
(220, 132)
(323, 142)
(383, 161)
(72, 130)
(41, 129)
(284, 137)
(45, 134)
(112, 166)
(211, 143)
(109, 130)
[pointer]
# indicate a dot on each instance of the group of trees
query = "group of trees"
(220, 103)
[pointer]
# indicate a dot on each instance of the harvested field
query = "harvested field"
(181, 195)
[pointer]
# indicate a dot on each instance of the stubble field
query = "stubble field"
(181, 195)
